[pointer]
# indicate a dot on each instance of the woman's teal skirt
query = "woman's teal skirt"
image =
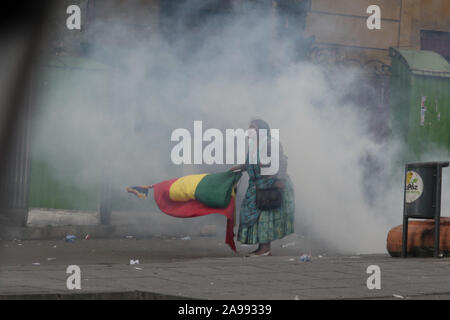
(271, 224)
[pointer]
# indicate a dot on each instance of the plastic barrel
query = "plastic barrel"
(420, 238)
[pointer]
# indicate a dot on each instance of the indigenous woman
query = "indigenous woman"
(262, 226)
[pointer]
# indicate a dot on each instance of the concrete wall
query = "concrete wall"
(101, 20)
(133, 19)
(342, 24)
(339, 24)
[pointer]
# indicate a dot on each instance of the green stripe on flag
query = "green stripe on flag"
(214, 190)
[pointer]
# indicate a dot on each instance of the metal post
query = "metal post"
(105, 199)
(105, 207)
(437, 213)
(405, 237)
(405, 219)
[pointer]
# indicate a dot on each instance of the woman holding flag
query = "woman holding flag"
(267, 210)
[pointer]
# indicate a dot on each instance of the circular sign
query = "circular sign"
(414, 186)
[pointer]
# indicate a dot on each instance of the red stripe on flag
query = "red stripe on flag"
(192, 208)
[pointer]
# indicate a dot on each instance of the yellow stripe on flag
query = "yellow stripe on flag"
(184, 188)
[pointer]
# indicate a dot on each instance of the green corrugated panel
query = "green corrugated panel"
(399, 103)
(420, 76)
(55, 180)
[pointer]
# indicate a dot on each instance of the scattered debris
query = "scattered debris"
(320, 256)
(54, 247)
(36, 264)
(133, 262)
(87, 237)
(70, 238)
(186, 238)
(305, 257)
(129, 237)
(398, 296)
(296, 298)
(137, 268)
(290, 244)
(20, 244)
(211, 283)
(291, 259)
(51, 259)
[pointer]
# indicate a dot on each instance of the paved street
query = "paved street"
(205, 268)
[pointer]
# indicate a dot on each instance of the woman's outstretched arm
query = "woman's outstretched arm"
(238, 167)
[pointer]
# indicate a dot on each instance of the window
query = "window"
(436, 41)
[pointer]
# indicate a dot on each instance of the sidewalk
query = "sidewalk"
(205, 268)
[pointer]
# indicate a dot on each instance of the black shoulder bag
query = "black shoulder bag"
(268, 198)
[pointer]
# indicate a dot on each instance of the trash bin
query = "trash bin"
(419, 102)
(422, 197)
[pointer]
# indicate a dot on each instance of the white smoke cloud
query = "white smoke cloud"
(225, 81)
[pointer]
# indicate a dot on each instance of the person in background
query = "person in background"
(262, 226)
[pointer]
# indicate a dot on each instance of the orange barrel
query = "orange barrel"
(420, 238)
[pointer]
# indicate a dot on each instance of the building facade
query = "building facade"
(340, 27)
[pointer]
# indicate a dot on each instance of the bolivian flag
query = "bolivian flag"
(197, 195)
